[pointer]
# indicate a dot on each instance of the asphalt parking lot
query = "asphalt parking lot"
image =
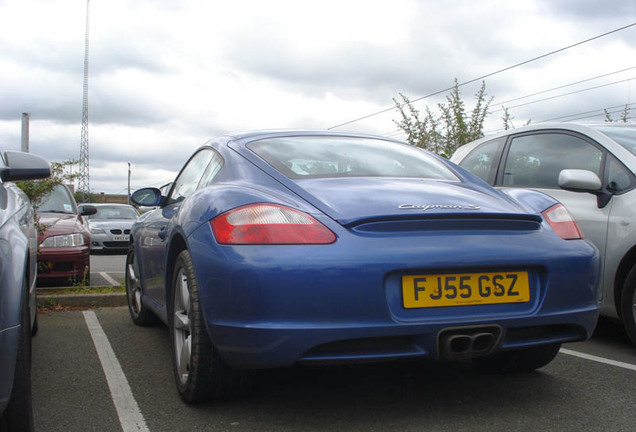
(108, 269)
(96, 371)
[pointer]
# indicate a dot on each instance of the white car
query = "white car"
(590, 169)
(110, 226)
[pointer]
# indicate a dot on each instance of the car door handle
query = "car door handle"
(163, 233)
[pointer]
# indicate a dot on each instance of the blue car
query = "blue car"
(278, 248)
(18, 261)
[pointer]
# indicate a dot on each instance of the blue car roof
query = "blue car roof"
(256, 135)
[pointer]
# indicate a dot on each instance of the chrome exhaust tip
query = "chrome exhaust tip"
(468, 342)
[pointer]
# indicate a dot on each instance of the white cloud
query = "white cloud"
(165, 76)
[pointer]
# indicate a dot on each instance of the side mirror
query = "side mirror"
(147, 197)
(576, 180)
(87, 210)
(24, 166)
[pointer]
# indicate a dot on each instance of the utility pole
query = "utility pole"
(83, 176)
(25, 132)
(128, 183)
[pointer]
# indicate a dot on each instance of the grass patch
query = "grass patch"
(82, 290)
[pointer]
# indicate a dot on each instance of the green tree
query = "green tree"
(38, 190)
(507, 119)
(444, 133)
(624, 115)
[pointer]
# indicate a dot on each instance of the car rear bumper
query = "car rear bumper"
(258, 347)
(271, 306)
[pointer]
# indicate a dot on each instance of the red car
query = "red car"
(65, 243)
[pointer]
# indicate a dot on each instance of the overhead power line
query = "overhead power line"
(588, 114)
(491, 74)
(565, 94)
(396, 132)
(577, 116)
(566, 85)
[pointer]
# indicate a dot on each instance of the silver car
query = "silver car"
(590, 169)
(110, 226)
(18, 261)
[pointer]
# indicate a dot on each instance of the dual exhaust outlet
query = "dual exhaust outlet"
(468, 342)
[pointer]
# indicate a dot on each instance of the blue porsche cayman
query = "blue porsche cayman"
(280, 248)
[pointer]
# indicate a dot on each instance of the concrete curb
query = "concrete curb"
(82, 300)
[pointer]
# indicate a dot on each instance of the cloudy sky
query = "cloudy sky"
(167, 75)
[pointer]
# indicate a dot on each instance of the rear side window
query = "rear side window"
(211, 171)
(188, 180)
(483, 160)
(320, 156)
(536, 160)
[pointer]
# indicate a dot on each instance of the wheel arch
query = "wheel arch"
(177, 245)
(626, 264)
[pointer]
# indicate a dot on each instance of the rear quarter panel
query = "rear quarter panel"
(14, 245)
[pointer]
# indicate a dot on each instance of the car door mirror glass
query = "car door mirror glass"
(147, 197)
(579, 180)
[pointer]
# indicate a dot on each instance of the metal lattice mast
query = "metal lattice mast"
(83, 176)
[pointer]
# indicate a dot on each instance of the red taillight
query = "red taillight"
(562, 223)
(269, 224)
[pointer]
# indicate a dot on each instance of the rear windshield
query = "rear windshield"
(320, 156)
(624, 136)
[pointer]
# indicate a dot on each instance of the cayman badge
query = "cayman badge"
(425, 207)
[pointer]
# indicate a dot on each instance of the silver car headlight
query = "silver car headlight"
(97, 231)
(68, 240)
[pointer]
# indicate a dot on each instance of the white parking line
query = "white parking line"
(130, 416)
(109, 279)
(599, 359)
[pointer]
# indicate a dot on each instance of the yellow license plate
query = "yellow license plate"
(435, 290)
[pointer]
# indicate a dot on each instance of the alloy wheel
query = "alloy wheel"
(182, 328)
(133, 286)
(634, 306)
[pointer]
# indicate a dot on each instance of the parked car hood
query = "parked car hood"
(349, 200)
(111, 223)
(59, 224)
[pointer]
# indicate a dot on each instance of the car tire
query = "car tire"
(521, 360)
(18, 416)
(139, 313)
(35, 327)
(628, 305)
(200, 372)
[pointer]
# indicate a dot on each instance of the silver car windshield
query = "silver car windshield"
(320, 156)
(114, 212)
(624, 136)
